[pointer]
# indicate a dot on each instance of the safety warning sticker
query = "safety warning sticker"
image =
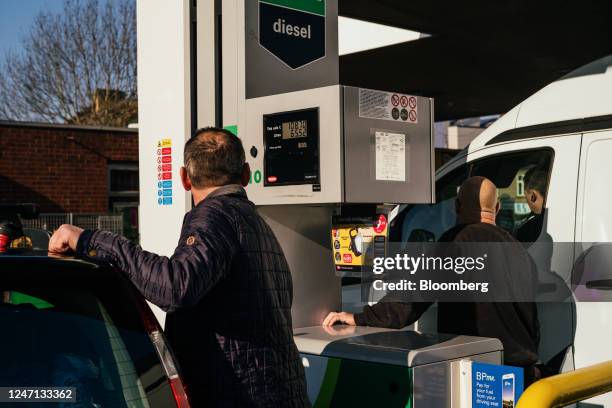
(164, 172)
(390, 156)
(387, 106)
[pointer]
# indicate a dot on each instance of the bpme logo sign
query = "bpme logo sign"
(293, 30)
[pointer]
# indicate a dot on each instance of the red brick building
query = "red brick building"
(69, 169)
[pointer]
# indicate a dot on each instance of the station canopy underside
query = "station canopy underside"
(481, 57)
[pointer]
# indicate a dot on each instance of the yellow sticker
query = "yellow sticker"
(166, 142)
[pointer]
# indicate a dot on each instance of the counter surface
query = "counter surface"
(388, 346)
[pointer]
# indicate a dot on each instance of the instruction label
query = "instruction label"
(357, 240)
(496, 386)
(390, 156)
(164, 172)
(388, 106)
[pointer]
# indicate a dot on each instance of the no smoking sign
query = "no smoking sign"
(402, 107)
(395, 100)
(392, 106)
(412, 116)
(412, 102)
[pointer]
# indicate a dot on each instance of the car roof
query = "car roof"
(42, 259)
(37, 269)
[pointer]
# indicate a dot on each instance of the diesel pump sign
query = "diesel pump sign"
(293, 30)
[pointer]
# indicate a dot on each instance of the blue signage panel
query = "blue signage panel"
(496, 386)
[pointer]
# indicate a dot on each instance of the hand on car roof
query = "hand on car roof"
(65, 239)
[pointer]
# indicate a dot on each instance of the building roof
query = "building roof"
(38, 125)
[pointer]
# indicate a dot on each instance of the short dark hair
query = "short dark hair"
(214, 157)
(536, 179)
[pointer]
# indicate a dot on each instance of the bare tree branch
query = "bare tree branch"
(77, 66)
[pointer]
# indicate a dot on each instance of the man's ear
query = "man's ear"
(246, 175)
(497, 207)
(185, 179)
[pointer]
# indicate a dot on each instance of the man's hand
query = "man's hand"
(340, 330)
(65, 239)
(342, 317)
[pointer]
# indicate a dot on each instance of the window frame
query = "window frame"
(397, 224)
(121, 166)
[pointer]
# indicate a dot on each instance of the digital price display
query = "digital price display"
(291, 148)
(295, 129)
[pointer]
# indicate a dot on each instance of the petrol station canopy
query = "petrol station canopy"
(481, 57)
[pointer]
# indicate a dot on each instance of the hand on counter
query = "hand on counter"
(340, 330)
(339, 317)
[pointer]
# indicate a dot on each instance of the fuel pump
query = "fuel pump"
(329, 162)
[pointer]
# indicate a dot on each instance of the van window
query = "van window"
(434, 219)
(519, 176)
(522, 182)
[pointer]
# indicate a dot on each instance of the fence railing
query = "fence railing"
(51, 222)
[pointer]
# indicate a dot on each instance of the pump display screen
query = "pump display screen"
(296, 129)
(291, 155)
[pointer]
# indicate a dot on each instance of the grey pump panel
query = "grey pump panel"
(428, 362)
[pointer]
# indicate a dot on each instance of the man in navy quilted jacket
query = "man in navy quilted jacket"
(227, 288)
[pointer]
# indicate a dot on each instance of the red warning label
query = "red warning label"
(381, 224)
(412, 102)
(395, 100)
(387, 106)
(412, 116)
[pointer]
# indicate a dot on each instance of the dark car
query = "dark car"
(81, 324)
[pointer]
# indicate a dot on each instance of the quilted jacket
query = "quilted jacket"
(227, 290)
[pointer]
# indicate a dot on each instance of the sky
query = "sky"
(16, 17)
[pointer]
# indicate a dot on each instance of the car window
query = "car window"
(73, 336)
(427, 222)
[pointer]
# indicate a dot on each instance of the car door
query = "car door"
(593, 230)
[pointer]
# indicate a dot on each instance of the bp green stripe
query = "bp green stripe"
(309, 6)
(328, 387)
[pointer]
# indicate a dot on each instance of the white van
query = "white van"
(566, 130)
